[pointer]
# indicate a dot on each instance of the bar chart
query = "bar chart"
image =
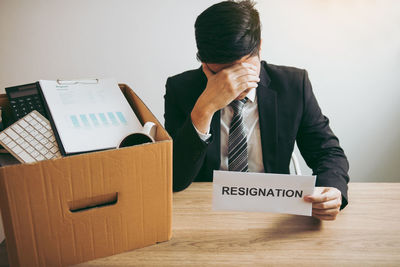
(97, 120)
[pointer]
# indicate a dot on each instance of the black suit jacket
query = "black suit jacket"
(288, 112)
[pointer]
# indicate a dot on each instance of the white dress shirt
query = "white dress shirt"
(251, 128)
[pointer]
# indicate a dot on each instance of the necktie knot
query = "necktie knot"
(237, 105)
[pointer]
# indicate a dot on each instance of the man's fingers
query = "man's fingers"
(333, 211)
(247, 82)
(331, 204)
(244, 71)
(239, 66)
(324, 217)
(326, 189)
(247, 85)
(331, 193)
(236, 70)
(248, 78)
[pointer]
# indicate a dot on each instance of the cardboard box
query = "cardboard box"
(1, 230)
(74, 209)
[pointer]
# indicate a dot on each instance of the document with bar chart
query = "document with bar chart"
(88, 115)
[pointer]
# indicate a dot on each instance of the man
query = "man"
(238, 113)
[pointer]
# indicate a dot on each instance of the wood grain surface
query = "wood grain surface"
(366, 232)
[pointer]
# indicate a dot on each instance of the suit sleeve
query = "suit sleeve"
(189, 150)
(320, 147)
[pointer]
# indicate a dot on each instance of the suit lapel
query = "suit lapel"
(267, 110)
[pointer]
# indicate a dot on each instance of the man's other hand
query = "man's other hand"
(326, 202)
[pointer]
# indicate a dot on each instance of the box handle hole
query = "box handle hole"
(93, 202)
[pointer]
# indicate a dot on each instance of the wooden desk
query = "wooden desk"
(367, 232)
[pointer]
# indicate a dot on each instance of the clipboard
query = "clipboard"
(48, 112)
(87, 115)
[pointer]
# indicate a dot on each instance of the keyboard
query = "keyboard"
(30, 139)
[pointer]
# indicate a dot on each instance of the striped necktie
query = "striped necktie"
(237, 142)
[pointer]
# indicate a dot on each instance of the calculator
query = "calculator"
(24, 99)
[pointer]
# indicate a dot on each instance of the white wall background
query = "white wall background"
(351, 50)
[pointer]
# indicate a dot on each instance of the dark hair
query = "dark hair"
(227, 31)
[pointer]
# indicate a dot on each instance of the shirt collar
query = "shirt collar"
(251, 95)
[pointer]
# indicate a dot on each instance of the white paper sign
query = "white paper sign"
(262, 192)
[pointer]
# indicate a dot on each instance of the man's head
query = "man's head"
(227, 32)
